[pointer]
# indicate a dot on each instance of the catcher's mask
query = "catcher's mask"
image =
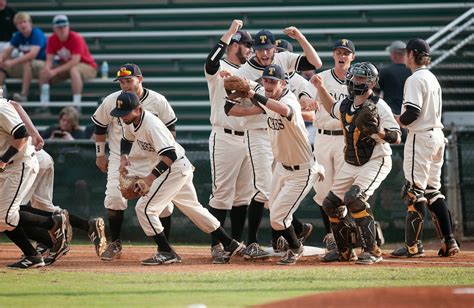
(363, 69)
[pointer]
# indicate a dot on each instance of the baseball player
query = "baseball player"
(296, 168)
(329, 134)
(257, 139)
(423, 155)
(130, 78)
(231, 182)
(367, 156)
(18, 170)
(170, 180)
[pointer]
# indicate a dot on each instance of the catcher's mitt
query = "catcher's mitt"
(367, 120)
(132, 187)
(236, 87)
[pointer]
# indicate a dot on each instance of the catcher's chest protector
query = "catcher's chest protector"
(359, 147)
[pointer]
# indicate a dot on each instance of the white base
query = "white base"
(308, 251)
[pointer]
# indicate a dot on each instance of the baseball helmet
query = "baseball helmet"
(362, 69)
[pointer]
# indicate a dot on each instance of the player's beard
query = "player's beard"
(241, 57)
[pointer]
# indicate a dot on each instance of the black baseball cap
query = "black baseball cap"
(264, 39)
(127, 71)
(124, 104)
(284, 45)
(241, 37)
(274, 71)
(418, 46)
(344, 44)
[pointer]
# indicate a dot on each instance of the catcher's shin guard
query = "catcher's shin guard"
(414, 226)
(366, 226)
(343, 233)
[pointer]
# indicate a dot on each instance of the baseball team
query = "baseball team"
(261, 158)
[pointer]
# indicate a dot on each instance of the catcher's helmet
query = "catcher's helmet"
(362, 69)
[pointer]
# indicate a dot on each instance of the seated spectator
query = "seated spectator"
(75, 60)
(31, 42)
(68, 127)
(7, 28)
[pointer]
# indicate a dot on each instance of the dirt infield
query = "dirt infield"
(197, 259)
(413, 297)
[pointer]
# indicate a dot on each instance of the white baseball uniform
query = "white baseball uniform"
(258, 143)
(370, 174)
(19, 173)
(424, 147)
(41, 192)
(296, 168)
(230, 164)
(152, 101)
(329, 139)
(152, 138)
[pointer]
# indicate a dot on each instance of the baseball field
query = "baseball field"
(81, 279)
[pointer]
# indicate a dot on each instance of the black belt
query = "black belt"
(291, 168)
(330, 132)
(233, 132)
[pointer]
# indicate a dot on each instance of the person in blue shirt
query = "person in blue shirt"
(31, 43)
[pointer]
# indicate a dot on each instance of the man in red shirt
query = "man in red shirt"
(75, 60)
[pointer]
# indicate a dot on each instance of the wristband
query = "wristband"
(100, 149)
(9, 153)
(260, 98)
(160, 169)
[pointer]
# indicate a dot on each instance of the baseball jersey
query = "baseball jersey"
(217, 95)
(10, 122)
(338, 90)
(423, 92)
(151, 100)
(253, 71)
(151, 138)
(288, 135)
(346, 111)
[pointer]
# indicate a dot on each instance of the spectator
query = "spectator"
(68, 127)
(31, 42)
(75, 60)
(392, 77)
(7, 28)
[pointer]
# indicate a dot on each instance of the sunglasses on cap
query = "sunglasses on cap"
(123, 72)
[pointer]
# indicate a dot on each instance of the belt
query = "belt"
(291, 168)
(330, 132)
(233, 132)
(425, 130)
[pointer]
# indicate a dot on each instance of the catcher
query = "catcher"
(369, 127)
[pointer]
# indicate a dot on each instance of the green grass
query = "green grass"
(214, 289)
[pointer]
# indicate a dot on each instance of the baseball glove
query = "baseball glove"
(132, 187)
(367, 120)
(236, 87)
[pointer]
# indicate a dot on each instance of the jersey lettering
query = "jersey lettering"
(145, 146)
(275, 124)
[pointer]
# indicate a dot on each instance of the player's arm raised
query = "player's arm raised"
(308, 49)
(215, 55)
(325, 98)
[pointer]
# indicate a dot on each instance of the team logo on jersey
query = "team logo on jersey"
(145, 146)
(275, 124)
(263, 39)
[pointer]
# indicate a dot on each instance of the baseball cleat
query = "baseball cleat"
(162, 258)
(96, 234)
(449, 248)
(58, 233)
(113, 251)
(228, 252)
(367, 258)
(28, 262)
(307, 229)
(254, 251)
(291, 256)
(55, 255)
(404, 252)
